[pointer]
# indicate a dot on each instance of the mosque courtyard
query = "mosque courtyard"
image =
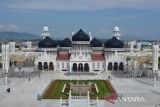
(24, 92)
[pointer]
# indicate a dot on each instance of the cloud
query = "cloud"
(9, 27)
(67, 5)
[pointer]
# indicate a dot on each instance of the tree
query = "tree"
(128, 59)
(17, 46)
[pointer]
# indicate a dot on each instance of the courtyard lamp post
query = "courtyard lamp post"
(155, 73)
(5, 72)
(20, 65)
(127, 65)
(147, 64)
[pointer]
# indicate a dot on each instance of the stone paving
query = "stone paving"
(24, 92)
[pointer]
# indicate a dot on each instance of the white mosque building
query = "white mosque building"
(81, 53)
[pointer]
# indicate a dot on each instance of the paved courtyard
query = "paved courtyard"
(24, 92)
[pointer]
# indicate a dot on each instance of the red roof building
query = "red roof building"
(97, 57)
(64, 56)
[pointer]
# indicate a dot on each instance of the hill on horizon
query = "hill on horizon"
(17, 36)
(29, 36)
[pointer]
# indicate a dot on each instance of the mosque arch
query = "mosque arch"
(74, 68)
(115, 67)
(110, 66)
(40, 65)
(51, 66)
(45, 66)
(86, 67)
(121, 66)
(80, 67)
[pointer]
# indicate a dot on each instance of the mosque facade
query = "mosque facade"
(81, 53)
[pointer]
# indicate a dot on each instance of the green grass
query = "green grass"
(55, 92)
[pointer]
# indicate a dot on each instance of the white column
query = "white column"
(131, 47)
(12, 46)
(70, 67)
(97, 101)
(88, 99)
(60, 101)
(5, 61)
(29, 44)
(155, 54)
(54, 66)
(90, 67)
(77, 66)
(106, 67)
(139, 46)
(5, 79)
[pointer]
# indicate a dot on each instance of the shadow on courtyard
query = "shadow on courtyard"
(23, 74)
(119, 74)
(143, 81)
(122, 74)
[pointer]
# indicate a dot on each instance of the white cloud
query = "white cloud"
(64, 5)
(9, 27)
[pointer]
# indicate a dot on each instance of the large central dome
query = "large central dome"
(80, 36)
(47, 42)
(114, 43)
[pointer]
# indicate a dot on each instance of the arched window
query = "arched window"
(110, 66)
(58, 65)
(74, 68)
(51, 66)
(115, 66)
(103, 65)
(45, 66)
(62, 65)
(40, 65)
(86, 67)
(80, 67)
(98, 65)
(121, 66)
(93, 65)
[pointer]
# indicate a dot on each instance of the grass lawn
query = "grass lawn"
(54, 90)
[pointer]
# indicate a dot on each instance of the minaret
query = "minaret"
(139, 46)
(116, 32)
(12, 46)
(5, 61)
(90, 35)
(71, 36)
(29, 44)
(45, 32)
(131, 46)
(155, 54)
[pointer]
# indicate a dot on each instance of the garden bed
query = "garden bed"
(54, 89)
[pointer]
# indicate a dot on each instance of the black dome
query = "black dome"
(47, 42)
(114, 43)
(80, 36)
(66, 43)
(95, 43)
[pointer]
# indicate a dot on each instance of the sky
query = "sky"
(139, 19)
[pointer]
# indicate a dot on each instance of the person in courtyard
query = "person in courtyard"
(8, 90)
